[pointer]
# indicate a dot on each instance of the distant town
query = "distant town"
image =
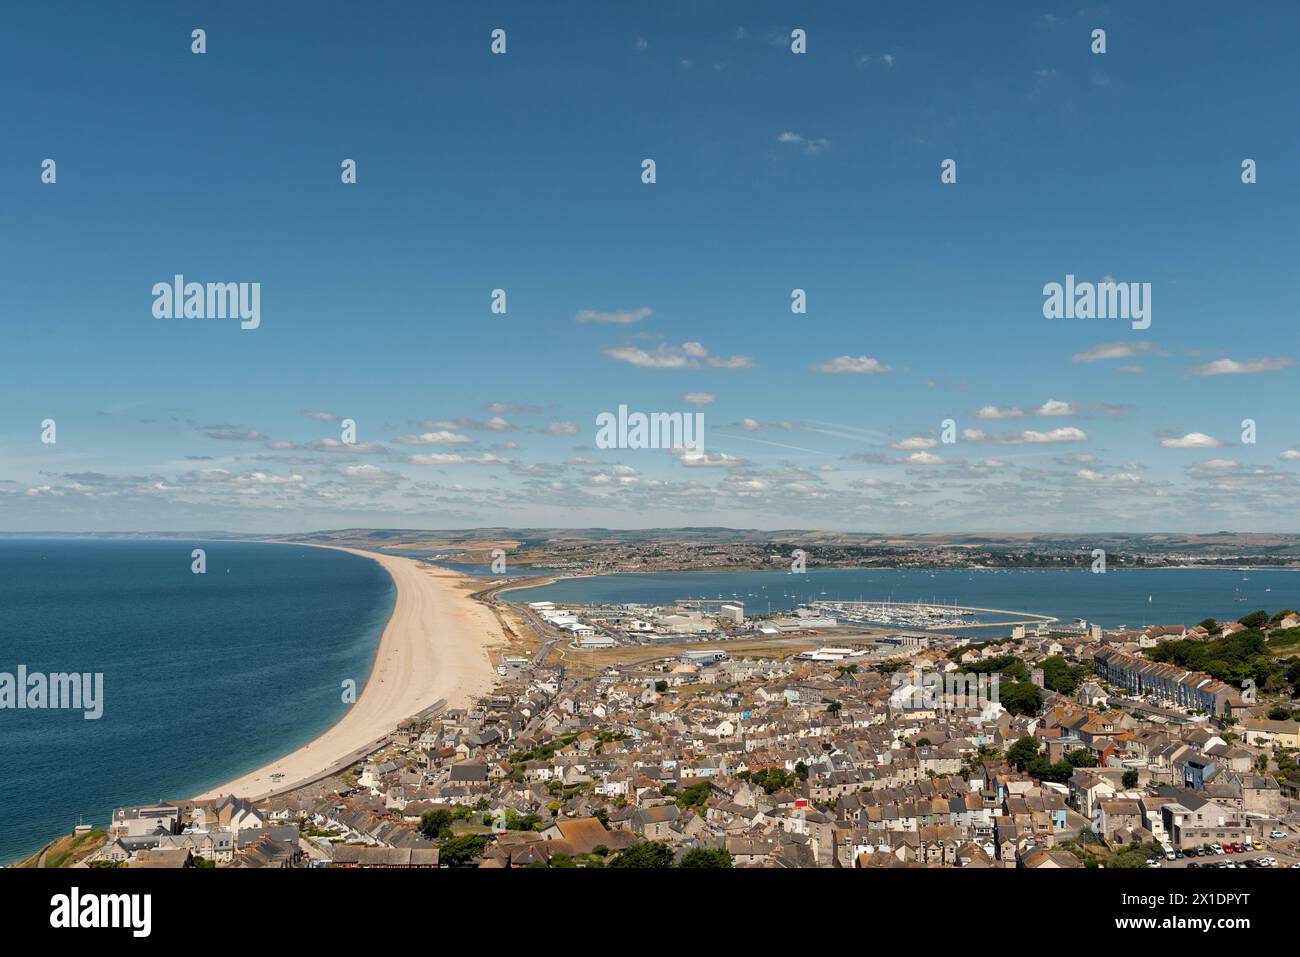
(595, 551)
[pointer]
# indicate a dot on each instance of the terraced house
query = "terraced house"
(1187, 689)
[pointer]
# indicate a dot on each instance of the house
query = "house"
(350, 855)
(1261, 732)
(655, 823)
(1192, 821)
(143, 820)
(583, 835)
(169, 858)
(468, 774)
(1111, 817)
(1044, 859)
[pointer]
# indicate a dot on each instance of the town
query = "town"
(1094, 748)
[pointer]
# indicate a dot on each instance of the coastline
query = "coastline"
(433, 649)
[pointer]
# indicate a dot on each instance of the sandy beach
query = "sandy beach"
(433, 648)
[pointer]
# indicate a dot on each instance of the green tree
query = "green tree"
(695, 796)
(1136, 855)
(463, 851)
(645, 854)
(1081, 758)
(1256, 619)
(1060, 676)
(1130, 779)
(434, 821)
(1020, 697)
(706, 857)
(661, 686)
(1022, 752)
(834, 707)
(1045, 770)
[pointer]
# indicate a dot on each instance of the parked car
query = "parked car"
(1277, 835)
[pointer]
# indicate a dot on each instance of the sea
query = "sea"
(206, 676)
(1135, 598)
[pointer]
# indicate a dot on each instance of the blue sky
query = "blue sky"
(775, 171)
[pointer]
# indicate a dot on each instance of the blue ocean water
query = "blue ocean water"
(1130, 597)
(205, 676)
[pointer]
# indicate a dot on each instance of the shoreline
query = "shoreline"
(433, 649)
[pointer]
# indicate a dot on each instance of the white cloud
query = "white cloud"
(705, 460)
(995, 412)
(562, 427)
(1114, 350)
(1115, 478)
(494, 424)
(1056, 407)
(619, 318)
(915, 442)
(434, 438)
(700, 398)
(1191, 440)
(810, 146)
(1027, 437)
(1250, 367)
(454, 458)
(689, 355)
(861, 365)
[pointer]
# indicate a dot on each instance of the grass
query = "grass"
(1286, 639)
(69, 849)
